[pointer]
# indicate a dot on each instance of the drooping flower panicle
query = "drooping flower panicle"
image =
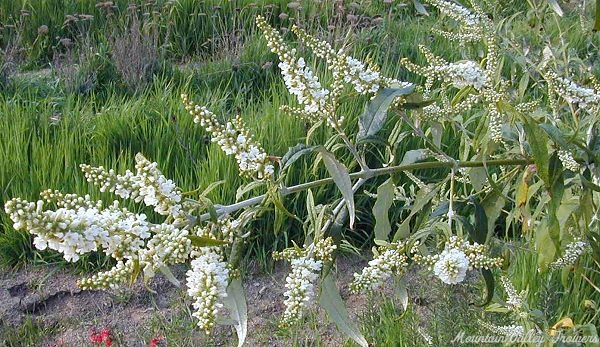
(207, 282)
(147, 185)
(306, 264)
(389, 262)
(234, 139)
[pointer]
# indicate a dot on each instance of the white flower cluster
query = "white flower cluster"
(304, 84)
(234, 139)
(168, 245)
(82, 229)
(514, 330)
(389, 262)
(120, 273)
(458, 257)
(148, 184)
(299, 79)
(207, 284)
(464, 74)
(573, 251)
(457, 12)
(567, 160)
(451, 266)
(514, 300)
(572, 92)
(300, 287)
(363, 78)
(306, 265)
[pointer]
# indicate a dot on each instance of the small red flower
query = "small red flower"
(155, 341)
(102, 337)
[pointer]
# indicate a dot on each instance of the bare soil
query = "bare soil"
(67, 315)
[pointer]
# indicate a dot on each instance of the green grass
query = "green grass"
(31, 332)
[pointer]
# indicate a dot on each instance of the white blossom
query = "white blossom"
(300, 287)
(207, 284)
(514, 300)
(464, 74)
(572, 252)
(234, 139)
(567, 160)
(381, 268)
(452, 266)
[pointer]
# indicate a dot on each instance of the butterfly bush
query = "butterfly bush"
(454, 94)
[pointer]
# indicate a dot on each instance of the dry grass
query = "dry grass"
(135, 50)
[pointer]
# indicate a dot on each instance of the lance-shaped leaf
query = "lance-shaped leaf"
(169, 275)
(414, 155)
(385, 197)
(538, 141)
(294, 153)
(235, 302)
(597, 21)
(332, 303)
(203, 241)
(556, 190)
(480, 230)
(340, 176)
(489, 286)
(544, 246)
(420, 8)
(556, 7)
(555, 134)
(375, 114)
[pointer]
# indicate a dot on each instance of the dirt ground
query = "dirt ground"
(49, 296)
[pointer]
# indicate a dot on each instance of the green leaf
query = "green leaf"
(556, 7)
(489, 285)
(294, 153)
(423, 198)
(523, 84)
(135, 272)
(479, 233)
(375, 114)
(538, 141)
(414, 156)
(385, 198)
(591, 331)
(492, 204)
(401, 292)
(557, 189)
(597, 21)
(235, 302)
(495, 307)
(555, 134)
(211, 187)
(332, 303)
(340, 176)
(437, 131)
(420, 8)
(544, 246)
(277, 200)
(242, 190)
(478, 177)
(202, 241)
(169, 275)
(461, 95)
